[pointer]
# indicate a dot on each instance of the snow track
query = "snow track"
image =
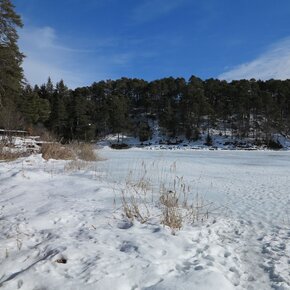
(264, 213)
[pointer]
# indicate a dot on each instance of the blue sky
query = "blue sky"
(82, 41)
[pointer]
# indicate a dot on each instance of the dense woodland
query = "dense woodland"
(249, 108)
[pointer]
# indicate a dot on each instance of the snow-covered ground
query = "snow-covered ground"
(49, 213)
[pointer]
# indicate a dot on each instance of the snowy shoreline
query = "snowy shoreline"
(159, 142)
(189, 148)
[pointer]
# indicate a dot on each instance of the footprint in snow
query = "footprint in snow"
(124, 225)
(128, 247)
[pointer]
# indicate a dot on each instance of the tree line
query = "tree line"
(248, 108)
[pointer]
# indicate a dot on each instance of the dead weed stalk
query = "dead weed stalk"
(176, 203)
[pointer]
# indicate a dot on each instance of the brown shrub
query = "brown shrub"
(171, 210)
(8, 155)
(57, 151)
(81, 151)
(172, 217)
(85, 152)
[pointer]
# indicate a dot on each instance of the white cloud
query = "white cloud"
(274, 63)
(152, 9)
(47, 56)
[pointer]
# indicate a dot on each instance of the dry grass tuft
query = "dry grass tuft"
(54, 150)
(73, 151)
(175, 207)
(135, 208)
(85, 151)
(171, 212)
(180, 206)
(172, 217)
(6, 154)
(9, 156)
(169, 199)
(134, 198)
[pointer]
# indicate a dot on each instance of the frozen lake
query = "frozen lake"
(216, 174)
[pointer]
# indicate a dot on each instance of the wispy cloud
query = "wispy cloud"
(47, 56)
(152, 9)
(274, 63)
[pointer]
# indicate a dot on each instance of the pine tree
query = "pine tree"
(118, 114)
(29, 105)
(34, 108)
(59, 114)
(80, 121)
(11, 73)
